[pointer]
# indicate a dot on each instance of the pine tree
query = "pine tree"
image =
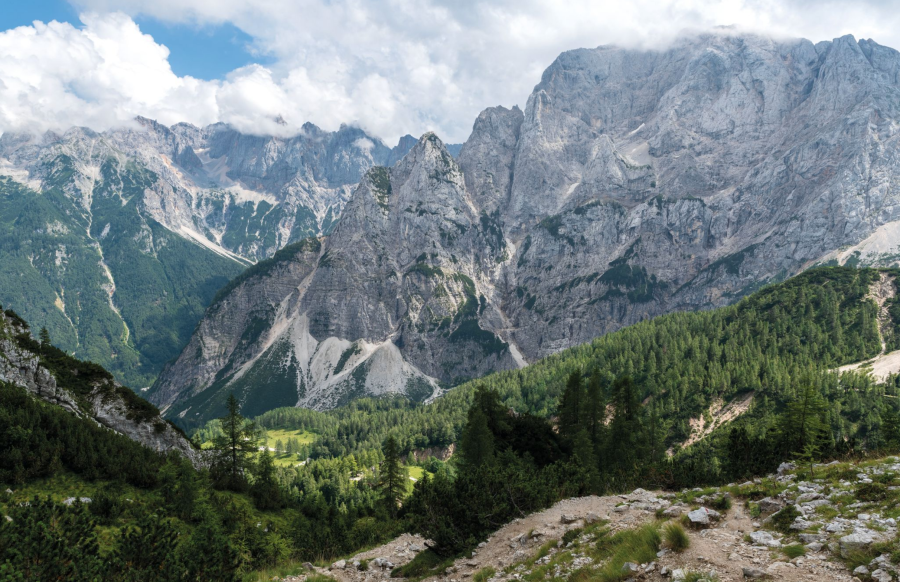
(44, 336)
(393, 476)
(802, 423)
(476, 447)
(265, 490)
(596, 408)
(890, 428)
(234, 447)
(570, 407)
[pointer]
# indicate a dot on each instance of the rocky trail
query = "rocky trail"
(834, 523)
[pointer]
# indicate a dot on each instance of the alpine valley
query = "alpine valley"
(116, 242)
(634, 183)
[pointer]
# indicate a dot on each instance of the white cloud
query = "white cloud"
(391, 66)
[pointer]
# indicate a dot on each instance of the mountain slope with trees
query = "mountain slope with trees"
(594, 419)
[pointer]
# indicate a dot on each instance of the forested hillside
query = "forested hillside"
(604, 417)
(110, 284)
(681, 364)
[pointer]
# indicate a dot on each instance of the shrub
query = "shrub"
(721, 503)
(676, 538)
(363, 565)
(794, 551)
(425, 564)
(871, 492)
(782, 520)
(483, 575)
(107, 504)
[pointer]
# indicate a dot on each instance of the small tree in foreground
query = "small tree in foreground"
(393, 476)
(234, 448)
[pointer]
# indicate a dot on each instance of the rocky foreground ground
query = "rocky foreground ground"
(838, 524)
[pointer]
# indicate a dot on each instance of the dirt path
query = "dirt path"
(721, 548)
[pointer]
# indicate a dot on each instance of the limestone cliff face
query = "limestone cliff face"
(634, 183)
(103, 403)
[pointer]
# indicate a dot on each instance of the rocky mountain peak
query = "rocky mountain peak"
(634, 183)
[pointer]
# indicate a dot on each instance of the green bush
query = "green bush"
(794, 551)
(425, 564)
(483, 575)
(871, 492)
(782, 520)
(721, 503)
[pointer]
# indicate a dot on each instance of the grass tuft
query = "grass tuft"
(571, 535)
(794, 551)
(483, 575)
(638, 546)
(676, 538)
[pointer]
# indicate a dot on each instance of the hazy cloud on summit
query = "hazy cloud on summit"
(391, 66)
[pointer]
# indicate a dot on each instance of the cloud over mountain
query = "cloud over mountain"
(390, 66)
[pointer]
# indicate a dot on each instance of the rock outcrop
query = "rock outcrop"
(106, 402)
(634, 183)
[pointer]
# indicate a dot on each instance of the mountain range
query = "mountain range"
(634, 183)
(116, 242)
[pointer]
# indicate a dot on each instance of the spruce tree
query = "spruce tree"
(265, 490)
(393, 476)
(570, 405)
(234, 448)
(476, 447)
(802, 421)
(595, 408)
(890, 428)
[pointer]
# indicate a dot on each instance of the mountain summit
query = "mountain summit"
(634, 183)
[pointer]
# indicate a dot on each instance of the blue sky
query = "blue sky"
(207, 51)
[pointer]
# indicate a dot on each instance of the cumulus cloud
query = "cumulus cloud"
(389, 66)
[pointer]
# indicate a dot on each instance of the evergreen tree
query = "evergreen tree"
(44, 336)
(623, 449)
(595, 409)
(890, 427)
(147, 552)
(570, 407)
(802, 421)
(476, 447)
(234, 447)
(393, 476)
(265, 490)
